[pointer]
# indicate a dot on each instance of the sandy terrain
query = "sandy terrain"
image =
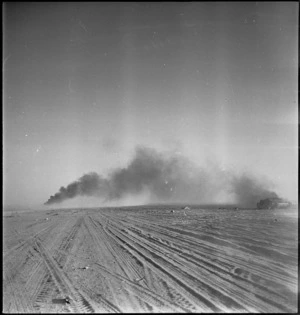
(151, 260)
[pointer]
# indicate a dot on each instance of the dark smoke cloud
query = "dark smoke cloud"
(248, 189)
(90, 184)
(168, 178)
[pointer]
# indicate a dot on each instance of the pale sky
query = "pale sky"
(84, 83)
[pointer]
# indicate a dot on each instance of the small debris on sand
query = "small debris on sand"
(138, 280)
(85, 267)
(61, 301)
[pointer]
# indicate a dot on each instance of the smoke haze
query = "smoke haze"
(168, 178)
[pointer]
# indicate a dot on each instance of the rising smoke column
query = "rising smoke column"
(148, 171)
(167, 178)
(90, 184)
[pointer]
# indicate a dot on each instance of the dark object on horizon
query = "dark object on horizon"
(273, 203)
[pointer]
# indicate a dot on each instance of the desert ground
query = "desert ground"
(150, 259)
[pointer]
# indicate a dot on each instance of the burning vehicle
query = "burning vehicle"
(273, 203)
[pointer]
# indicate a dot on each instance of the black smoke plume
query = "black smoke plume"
(168, 178)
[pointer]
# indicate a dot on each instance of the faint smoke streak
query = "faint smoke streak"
(168, 178)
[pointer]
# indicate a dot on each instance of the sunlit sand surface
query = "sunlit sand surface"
(150, 259)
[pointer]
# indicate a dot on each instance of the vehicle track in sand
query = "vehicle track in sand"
(226, 274)
(151, 260)
(78, 303)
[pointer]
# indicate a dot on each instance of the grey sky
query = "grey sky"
(84, 83)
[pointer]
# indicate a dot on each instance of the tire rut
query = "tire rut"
(78, 303)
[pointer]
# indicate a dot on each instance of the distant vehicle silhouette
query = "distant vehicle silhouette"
(273, 203)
